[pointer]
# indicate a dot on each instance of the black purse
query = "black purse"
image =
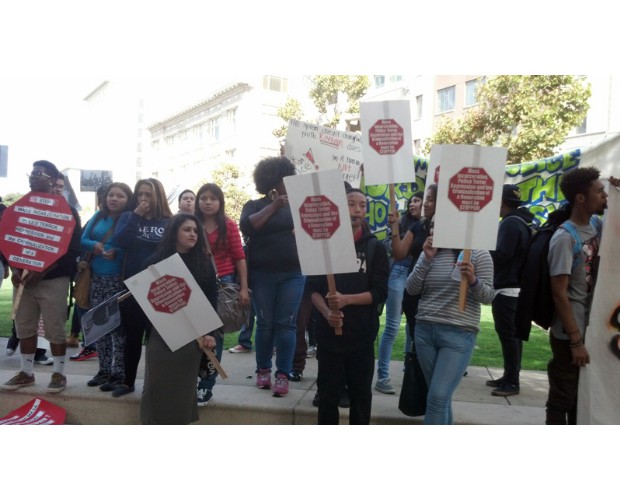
(412, 401)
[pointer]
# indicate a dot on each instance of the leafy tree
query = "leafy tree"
(530, 115)
(9, 199)
(290, 111)
(227, 176)
(325, 88)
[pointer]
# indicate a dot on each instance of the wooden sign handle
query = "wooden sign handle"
(393, 208)
(18, 295)
(331, 285)
(213, 359)
(464, 284)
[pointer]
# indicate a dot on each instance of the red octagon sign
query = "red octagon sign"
(168, 294)
(471, 189)
(386, 137)
(319, 217)
(36, 231)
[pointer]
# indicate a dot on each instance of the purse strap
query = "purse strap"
(217, 276)
(89, 255)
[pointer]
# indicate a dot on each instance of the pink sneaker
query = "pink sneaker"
(280, 386)
(263, 378)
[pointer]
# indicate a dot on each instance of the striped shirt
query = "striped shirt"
(439, 302)
(226, 256)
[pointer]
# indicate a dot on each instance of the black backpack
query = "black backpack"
(535, 303)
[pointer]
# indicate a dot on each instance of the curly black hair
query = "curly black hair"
(269, 172)
(578, 181)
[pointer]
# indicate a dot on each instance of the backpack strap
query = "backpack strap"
(570, 228)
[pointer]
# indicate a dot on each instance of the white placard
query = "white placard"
(469, 195)
(101, 320)
(314, 148)
(166, 285)
(322, 223)
(387, 146)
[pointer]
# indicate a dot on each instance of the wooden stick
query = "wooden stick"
(18, 295)
(393, 208)
(464, 284)
(213, 359)
(331, 285)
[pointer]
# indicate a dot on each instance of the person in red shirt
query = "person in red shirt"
(224, 242)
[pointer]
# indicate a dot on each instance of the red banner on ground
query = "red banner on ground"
(36, 412)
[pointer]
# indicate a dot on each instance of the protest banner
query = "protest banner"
(598, 400)
(174, 303)
(322, 225)
(36, 412)
(313, 147)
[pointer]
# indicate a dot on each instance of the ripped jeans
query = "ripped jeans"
(276, 298)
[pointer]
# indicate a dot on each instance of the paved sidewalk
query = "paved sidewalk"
(237, 401)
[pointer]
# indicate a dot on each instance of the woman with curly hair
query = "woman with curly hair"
(224, 243)
(169, 395)
(274, 272)
(138, 232)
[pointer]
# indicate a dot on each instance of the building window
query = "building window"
(445, 99)
(213, 128)
(416, 146)
(471, 90)
(379, 80)
(396, 78)
(419, 100)
(275, 83)
(581, 129)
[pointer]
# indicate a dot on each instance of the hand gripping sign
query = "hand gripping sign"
(174, 303)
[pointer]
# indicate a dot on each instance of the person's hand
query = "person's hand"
(580, 354)
(336, 301)
(334, 318)
(392, 218)
(16, 279)
(429, 250)
(143, 208)
(467, 271)
(98, 248)
(244, 297)
(280, 200)
(208, 342)
(32, 278)
(109, 254)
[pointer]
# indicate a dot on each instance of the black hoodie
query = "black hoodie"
(360, 323)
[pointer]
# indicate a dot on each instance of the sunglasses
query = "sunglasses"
(38, 173)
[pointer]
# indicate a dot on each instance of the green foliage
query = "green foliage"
(227, 176)
(325, 90)
(9, 199)
(530, 115)
(290, 111)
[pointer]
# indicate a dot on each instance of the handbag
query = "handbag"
(412, 401)
(81, 289)
(233, 315)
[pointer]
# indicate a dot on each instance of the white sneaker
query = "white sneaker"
(239, 349)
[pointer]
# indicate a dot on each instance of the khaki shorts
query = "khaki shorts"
(47, 299)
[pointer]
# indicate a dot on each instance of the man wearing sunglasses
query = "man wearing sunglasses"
(44, 295)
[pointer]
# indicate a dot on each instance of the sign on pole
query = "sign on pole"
(322, 223)
(174, 303)
(313, 148)
(469, 195)
(386, 142)
(36, 231)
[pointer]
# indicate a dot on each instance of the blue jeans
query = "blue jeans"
(444, 352)
(245, 334)
(276, 298)
(393, 314)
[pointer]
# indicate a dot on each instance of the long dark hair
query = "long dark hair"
(161, 208)
(220, 217)
(197, 259)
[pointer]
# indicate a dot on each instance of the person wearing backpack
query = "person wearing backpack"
(512, 241)
(572, 280)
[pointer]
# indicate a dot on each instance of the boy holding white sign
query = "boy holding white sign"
(349, 358)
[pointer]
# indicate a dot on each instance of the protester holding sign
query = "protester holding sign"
(224, 243)
(274, 271)
(354, 307)
(138, 232)
(444, 335)
(169, 395)
(105, 281)
(44, 292)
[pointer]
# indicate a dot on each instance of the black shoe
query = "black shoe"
(495, 383)
(121, 390)
(99, 379)
(343, 400)
(296, 376)
(11, 345)
(315, 400)
(506, 390)
(110, 385)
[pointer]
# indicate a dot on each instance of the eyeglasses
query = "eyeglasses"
(38, 173)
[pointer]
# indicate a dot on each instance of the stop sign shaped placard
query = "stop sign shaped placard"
(471, 189)
(168, 294)
(319, 217)
(386, 137)
(36, 231)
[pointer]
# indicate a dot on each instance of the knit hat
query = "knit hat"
(511, 195)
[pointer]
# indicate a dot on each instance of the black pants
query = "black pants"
(354, 369)
(134, 324)
(504, 310)
(563, 384)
